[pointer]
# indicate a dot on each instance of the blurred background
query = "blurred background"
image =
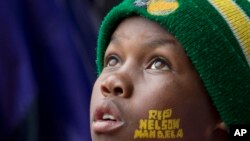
(47, 67)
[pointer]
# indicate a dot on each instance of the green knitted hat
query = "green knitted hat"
(215, 35)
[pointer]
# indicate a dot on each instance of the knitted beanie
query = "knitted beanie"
(215, 35)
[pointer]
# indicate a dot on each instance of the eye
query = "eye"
(159, 63)
(111, 61)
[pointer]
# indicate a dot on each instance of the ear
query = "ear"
(220, 132)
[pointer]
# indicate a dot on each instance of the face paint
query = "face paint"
(159, 125)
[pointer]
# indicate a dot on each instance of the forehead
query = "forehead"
(133, 26)
(142, 33)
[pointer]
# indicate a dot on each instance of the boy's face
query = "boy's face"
(148, 89)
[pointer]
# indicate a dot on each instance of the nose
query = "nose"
(117, 85)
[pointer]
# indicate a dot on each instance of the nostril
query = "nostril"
(118, 91)
(105, 89)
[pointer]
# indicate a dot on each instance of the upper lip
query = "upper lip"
(106, 113)
(107, 108)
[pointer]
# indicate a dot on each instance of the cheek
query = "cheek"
(161, 92)
(156, 96)
(160, 109)
(96, 88)
(96, 94)
(158, 121)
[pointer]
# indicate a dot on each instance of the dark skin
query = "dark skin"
(145, 69)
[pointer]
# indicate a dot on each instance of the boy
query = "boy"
(172, 70)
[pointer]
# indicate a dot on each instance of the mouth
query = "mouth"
(106, 118)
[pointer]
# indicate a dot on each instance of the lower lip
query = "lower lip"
(103, 126)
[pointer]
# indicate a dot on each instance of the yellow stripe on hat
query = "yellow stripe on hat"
(238, 21)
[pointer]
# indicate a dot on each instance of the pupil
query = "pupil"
(158, 64)
(112, 62)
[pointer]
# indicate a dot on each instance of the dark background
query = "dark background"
(47, 67)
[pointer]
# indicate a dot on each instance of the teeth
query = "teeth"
(108, 117)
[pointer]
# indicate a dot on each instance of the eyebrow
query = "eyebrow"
(158, 42)
(115, 37)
